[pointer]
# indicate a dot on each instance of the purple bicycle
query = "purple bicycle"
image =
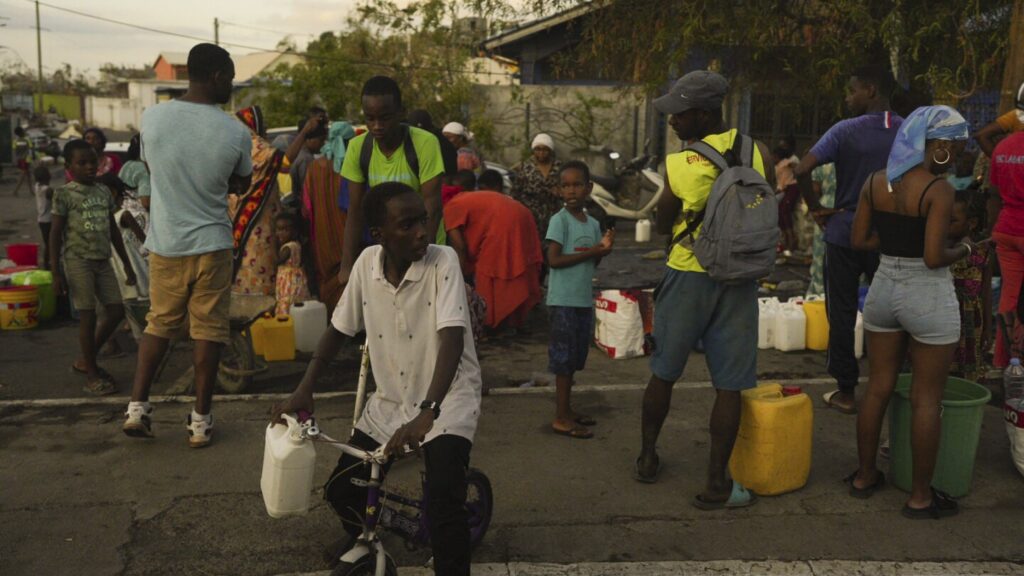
(384, 511)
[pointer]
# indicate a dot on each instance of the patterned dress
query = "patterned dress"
(968, 278)
(537, 191)
(291, 280)
(826, 176)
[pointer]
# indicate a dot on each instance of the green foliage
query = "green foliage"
(949, 48)
(407, 44)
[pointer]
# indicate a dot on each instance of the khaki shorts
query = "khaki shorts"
(199, 285)
(91, 280)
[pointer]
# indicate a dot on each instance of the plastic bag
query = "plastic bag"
(618, 324)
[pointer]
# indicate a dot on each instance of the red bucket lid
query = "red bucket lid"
(792, 390)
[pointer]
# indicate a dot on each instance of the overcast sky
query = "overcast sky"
(86, 43)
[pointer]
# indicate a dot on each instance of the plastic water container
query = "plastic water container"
(1013, 409)
(817, 325)
(310, 322)
(772, 454)
(258, 332)
(643, 231)
(790, 328)
(288, 465)
(23, 254)
(767, 309)
(19, 308)
(43, 281)
(279, 339)
(858, 336)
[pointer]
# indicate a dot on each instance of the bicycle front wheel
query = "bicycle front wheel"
(480, 504)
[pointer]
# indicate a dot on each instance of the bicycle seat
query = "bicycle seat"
(609, 184)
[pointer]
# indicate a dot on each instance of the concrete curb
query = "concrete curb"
(770, 567)
(123, 400)
(218, 398)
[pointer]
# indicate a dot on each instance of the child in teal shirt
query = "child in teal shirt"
(575, 247)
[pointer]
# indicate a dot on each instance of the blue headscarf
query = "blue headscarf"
(338, 136)
(925, 123)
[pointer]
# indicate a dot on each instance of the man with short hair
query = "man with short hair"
(388, 161)
(196, 153)
(690, 306)
(858, 146)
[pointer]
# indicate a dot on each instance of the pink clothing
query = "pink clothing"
(291, 280)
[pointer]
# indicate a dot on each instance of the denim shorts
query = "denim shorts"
(907, 296)
(572, 329)
(690, 306)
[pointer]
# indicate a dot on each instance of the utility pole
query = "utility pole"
(39, 55)
(1013, 72)
(216, 31)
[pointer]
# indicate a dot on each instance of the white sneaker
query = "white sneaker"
(199, 431)
(138, 421)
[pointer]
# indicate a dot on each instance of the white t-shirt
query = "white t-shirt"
(402, 327)
(44, 205)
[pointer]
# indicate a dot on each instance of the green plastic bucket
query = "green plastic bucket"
(43, 281)
(963, 407)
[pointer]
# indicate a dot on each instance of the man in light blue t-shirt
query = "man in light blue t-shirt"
(195, 153)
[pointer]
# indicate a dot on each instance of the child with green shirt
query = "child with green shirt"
(575, 247)
(82, 231)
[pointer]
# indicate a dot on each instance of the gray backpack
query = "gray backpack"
(741, 218)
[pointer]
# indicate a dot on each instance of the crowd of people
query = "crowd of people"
(407, 236)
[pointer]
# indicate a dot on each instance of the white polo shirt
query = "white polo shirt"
(402, 327)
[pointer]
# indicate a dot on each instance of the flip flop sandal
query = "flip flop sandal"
(867, 491)
(577, 432)
(739, 498)
(103, 373)
(943, 505)
(828, 398)
(639, 477)
(585, 421)
(99, 387)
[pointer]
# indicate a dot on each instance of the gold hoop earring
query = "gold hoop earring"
(942, 162)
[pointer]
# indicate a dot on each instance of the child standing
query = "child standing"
(44, 206)
(575, 247)
(972, 278)
(83, 230)
(291, 279)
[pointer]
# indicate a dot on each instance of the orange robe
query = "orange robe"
(504, 253)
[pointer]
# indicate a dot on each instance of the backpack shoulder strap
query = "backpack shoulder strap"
(708, 151)
(365, 153)
(411, 157)
(743, 150)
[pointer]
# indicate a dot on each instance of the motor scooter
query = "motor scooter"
(630, 191)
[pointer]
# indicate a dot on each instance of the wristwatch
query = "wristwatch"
(434, 407)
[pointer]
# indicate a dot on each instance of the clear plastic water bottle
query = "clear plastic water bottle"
(1013, 384)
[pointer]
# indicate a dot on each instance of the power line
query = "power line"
(258, 29)
(256, 48)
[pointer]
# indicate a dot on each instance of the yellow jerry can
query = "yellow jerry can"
(277, 338)
(773, 449)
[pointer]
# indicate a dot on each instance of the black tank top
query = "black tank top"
(900, 235)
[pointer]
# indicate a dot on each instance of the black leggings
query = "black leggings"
(447, 461)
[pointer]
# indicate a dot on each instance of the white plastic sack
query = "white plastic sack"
(1015, 431)
(618, 325)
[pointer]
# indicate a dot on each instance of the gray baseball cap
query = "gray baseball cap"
(700, 89)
